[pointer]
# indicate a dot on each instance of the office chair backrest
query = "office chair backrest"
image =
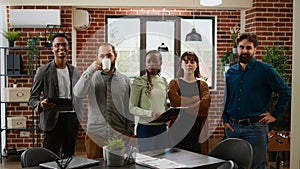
(34, 156)
(235, 149)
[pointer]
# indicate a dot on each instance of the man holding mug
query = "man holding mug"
(108, 101)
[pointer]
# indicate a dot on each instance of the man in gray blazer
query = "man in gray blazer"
(60, 111)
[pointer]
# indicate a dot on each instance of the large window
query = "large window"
(133, 36)
(124, 33)
(204, 49)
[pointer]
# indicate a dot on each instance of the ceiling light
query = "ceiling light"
(163, 48)
(193, 36)
(210, 2)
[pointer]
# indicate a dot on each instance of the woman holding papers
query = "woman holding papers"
(148, 101)
(191, 92)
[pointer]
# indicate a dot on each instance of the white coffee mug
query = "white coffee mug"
(106, 64)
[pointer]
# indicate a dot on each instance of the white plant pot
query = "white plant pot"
(234, 50)
(115, 157)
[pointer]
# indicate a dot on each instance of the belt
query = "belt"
(244, 122)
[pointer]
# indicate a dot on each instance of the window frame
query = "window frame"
(177, 40)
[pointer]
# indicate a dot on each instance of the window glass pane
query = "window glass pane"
(204, 49)
(158, 32)
(124, 33)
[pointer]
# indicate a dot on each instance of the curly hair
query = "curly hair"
(251, 37)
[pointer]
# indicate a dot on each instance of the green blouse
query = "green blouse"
(143, 105)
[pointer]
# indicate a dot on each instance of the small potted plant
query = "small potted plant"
(115, 152)
(11, 36)
(225, 60)
(234, 33)
(15, 84)
(33, 53)
(49, 38)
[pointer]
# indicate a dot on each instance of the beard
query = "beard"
(245, 57)
(112, 65)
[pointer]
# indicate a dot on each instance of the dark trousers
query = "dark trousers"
(184, 133)
(191, 141)
(62, 139)
(152, 137)
(256, 135)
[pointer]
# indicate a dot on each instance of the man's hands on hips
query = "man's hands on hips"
(266, 118)
(228, 126)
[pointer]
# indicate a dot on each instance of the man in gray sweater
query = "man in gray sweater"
(108, 101)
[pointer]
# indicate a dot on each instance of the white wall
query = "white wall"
(295, 137)
(237, 4)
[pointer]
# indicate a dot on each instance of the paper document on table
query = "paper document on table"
(141, 157)
(157, 162)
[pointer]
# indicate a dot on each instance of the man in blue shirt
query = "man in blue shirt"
(247, 96)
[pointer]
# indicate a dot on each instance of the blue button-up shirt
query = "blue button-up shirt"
(248, 93)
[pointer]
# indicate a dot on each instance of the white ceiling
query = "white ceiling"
(234, 4)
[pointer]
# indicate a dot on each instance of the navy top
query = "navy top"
(248, 93)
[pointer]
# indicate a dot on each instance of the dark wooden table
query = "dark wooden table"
(190, 159)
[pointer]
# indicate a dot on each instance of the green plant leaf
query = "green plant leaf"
(33, 54)
(225, 59)
(276, 57)
(11, 35)
(115, 144)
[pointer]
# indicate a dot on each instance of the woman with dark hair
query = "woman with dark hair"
(190, 92)
(148, 101)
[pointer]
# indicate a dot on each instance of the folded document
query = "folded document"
(152, 162)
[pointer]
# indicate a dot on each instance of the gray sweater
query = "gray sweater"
(92, 84)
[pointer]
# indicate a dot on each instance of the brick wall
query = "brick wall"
(270, 20)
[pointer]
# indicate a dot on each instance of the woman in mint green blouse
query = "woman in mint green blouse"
(148, 101)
